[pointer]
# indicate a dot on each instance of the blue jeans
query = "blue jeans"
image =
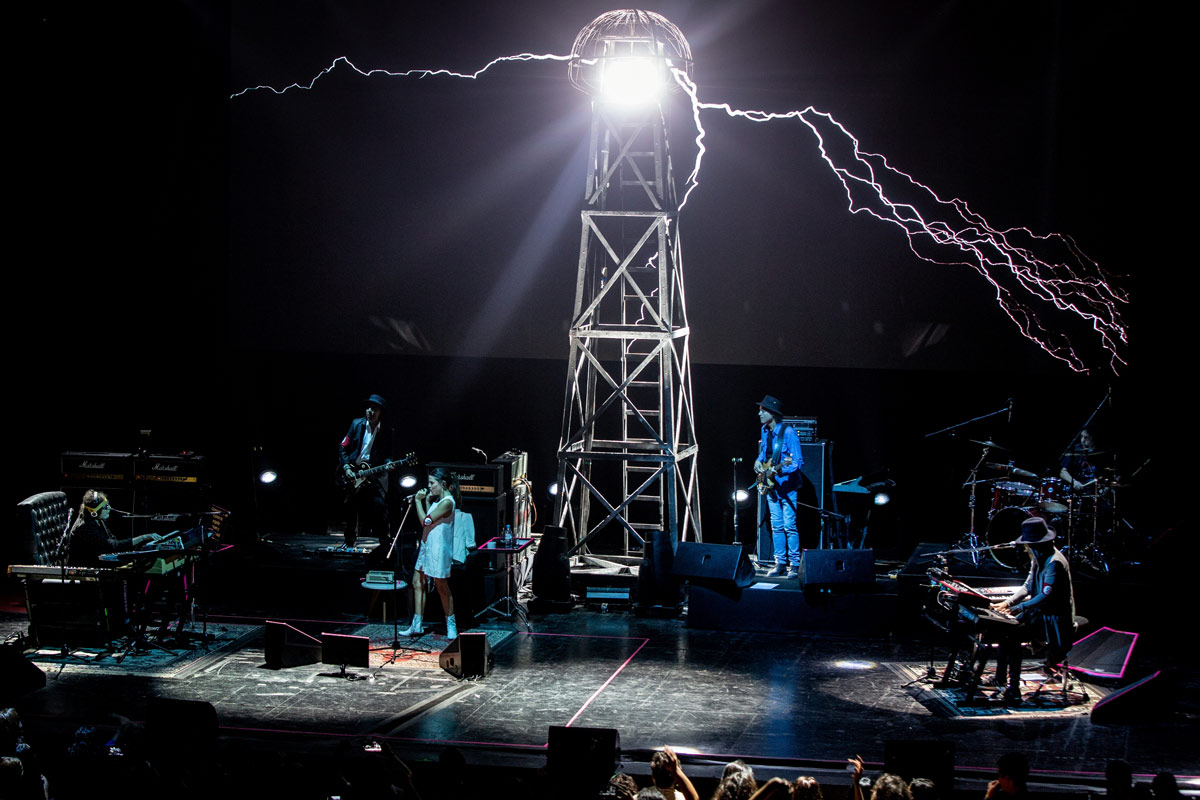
(784, 534)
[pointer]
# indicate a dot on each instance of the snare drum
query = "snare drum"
(1012, 494)
(1052, 496)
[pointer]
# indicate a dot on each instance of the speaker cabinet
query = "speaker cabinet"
(181, 726)
(1104, 653)
(1141, 699)
(917, 758)
(723, 568)
(837, 567)
(587, 757)
(468, 656)
(18, 675)
(286, 646)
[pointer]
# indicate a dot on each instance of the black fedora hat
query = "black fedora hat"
(376, 400)
(1035, 531)
(771, 404)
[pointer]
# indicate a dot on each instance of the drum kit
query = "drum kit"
(1083, 513)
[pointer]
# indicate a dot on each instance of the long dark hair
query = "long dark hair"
(446, 477)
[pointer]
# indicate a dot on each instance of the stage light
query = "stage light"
(553, 489)
(881, 498)
(408, 480)
(632, 80)
(855, 665)
(740, 498)
(268, 476)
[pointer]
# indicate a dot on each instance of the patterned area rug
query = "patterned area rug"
(420, 652)
(206, 644)
(225, 639)
(1038, 698)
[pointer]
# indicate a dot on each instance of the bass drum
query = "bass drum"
(1005, 527)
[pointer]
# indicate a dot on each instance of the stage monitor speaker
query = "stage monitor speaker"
(1103, 653)
(340, 649)
(837, 567)
(1141, 699)
(18, 675)
(916, 758)
(587, 757)
(468, 656)
(723, 568)
(181, 727)
(285, 646)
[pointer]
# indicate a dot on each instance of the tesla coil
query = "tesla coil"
(627, 454)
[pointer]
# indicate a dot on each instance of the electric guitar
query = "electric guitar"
(767, 474)
(365, 474)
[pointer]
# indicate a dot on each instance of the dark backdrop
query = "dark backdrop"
(234, 274)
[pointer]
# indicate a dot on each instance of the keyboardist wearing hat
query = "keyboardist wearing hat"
(1045, 605)
(90, 537)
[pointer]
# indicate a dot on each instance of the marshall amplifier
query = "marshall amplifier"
(180, 470)
(477, 480)
(97, 470)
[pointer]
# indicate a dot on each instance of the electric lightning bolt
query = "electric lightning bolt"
(1025, 280)
(418, 73)
(1007, 258)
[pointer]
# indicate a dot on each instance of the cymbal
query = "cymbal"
(1024, 473)
(988, 443)
(1084, 453)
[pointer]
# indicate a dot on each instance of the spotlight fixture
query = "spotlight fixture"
(881, 498)
(408, 480)
(268, 476)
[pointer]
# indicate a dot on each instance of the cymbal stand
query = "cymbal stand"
(970, 540)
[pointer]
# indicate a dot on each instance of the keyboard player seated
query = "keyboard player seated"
(90, 537)
(1044, 605)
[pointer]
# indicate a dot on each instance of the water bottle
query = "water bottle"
(508, 536)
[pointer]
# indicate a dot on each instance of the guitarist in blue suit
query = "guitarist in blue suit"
(367, 444)
(778, 468)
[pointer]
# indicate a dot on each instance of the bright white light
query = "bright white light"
(856, 665)
(633, 80)
(741, 496)
(268, 476)
(882, 498)
(408, 481)
(553, 489)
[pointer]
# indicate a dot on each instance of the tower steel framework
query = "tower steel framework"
(627, 455)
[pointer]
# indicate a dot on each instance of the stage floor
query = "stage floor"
(782, 701)
(756, 696)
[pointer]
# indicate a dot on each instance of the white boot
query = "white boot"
(451, 628)
(415, 628)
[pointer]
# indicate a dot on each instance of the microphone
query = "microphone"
(1010, 409)
(477, 450)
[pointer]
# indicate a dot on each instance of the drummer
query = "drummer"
(1078, 466)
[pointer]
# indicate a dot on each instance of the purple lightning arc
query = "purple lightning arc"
(938, 231)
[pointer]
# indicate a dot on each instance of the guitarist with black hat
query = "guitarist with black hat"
(778, 469)
(367, 445)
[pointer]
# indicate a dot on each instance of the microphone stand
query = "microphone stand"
(736, 538)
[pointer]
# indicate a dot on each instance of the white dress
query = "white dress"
(436, 551)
